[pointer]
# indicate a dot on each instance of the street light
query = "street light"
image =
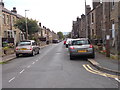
(26, 25)
(86, 21)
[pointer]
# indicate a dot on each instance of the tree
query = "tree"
(60, 34)
(32, 25)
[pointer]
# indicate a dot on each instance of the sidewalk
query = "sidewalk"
(105, 63)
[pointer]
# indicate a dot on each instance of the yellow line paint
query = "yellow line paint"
(88, 68)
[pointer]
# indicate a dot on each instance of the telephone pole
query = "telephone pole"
(86, 21)
(107, 25)
(26, 25)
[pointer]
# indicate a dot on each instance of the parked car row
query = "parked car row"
(80, 47)
(29, 47)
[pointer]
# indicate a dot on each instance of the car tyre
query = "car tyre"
(17, 55)
(66, 46)
(38, 52)
(92, 56)
(71, 57)
(33, 53)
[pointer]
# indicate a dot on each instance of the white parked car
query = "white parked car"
(27, 47)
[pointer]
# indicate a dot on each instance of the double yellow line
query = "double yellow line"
(88, 68)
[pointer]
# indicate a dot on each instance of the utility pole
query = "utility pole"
(86, 21)
(107, 25)
(26, 25)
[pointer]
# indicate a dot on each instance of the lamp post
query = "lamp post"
(86, 22)
(26, 25)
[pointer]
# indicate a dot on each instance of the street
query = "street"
(52, 68)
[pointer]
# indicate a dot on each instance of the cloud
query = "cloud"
(54, 14)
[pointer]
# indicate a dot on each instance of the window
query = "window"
(80, 42)
(24, 43)
(5, 34)
(92, 17)
(113, 30)
(34, 43)
(9, 34)
(13, 21)
(4, 19)
(8, 19)
(113, 4)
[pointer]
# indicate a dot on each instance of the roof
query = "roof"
(12, 13)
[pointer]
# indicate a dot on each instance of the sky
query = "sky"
(57, 15)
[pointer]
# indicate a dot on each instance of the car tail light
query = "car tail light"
(91, 46)
(64, 42)
(17, 49)
(72, 48)
(31, 48)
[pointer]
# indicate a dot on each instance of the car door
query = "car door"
(34, 47)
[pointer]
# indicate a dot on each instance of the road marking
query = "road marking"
(22, 71)
(36, 60)
(29, 66)
(33, 63)
(12, 79)
(88, 68)
(117, 80)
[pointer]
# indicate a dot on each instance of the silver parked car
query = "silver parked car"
(81, 47)
(27, 47)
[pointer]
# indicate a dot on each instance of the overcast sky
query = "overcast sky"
(54, 14)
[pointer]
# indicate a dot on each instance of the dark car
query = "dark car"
(55, 41)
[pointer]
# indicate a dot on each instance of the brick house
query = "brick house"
(115, 27)
(83, 26)
(9, 32)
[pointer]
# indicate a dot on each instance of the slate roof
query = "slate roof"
(12, 13)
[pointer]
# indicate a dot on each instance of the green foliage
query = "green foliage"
(60, 34)
(68, 35)
(32, 25)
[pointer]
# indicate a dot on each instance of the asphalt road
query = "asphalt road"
(52, 68)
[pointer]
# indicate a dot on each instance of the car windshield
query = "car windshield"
(80, 42)
(24, 43)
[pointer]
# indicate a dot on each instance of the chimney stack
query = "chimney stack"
(1, 3)
(88, 9)
(82, 16)
(40, 24)
(14, 10)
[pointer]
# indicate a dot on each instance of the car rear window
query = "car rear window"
(24, 43)
(80, 42)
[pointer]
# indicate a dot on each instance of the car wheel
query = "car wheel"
(71, 57)
(38, 52)
(33, 53)
(17, 55)
(92, 56)
(66, 46)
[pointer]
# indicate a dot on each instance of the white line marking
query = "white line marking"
(29, 66)
(117, 85)
(117, 80)
(22, 71)
(33, 63)
(36, 60)
(12, 79)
